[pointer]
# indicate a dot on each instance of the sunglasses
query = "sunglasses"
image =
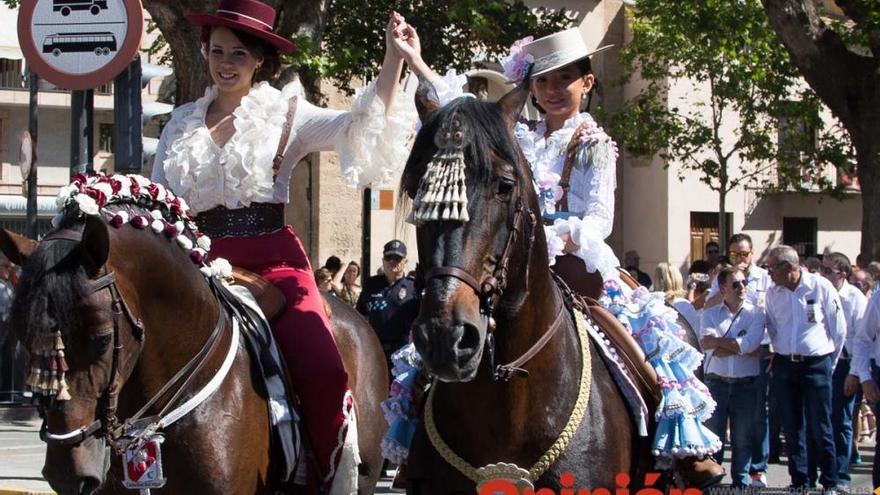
(739, 254)
(712, 251)
(738, 284)
(392, 257)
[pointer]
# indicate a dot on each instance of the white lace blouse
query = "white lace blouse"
(372, 146)
(591, 193)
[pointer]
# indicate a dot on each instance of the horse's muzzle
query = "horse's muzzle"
(452, 352)
(77, 470)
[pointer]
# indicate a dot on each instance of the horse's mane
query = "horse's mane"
(488, 131)
(53, 277)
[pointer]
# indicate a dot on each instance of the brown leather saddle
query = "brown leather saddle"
(588, 286)
(270, 298)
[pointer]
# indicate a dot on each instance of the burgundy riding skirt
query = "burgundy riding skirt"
(302, 331)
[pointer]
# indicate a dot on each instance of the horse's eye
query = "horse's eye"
(99, 343)
(505, 187)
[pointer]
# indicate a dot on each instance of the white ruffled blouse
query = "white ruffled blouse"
(372, 146)
(591, 192)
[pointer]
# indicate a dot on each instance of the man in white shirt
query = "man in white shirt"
(866, 355)
(766, 443)
(837, 268)
(730, 332)
(807, 329)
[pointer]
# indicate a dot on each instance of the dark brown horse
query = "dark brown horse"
(492, 273)
(162, 317)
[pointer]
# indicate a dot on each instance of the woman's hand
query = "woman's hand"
(406, 43)
(569, 245)
(394, 24)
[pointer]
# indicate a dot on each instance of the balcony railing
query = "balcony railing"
(12, 76)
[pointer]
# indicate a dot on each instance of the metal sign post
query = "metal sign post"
(31, 179)
(82, 104)
(127, 129)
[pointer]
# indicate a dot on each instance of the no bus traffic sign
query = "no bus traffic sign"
(80, 44)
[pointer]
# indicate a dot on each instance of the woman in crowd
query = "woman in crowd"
(348, 289)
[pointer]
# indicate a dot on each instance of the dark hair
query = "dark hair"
(726, 273)
(740, 237)
(841, 262)
(585, 67)
(700, 266)
(486, 133)
(712, 243)
(333, 263)
(271, 65)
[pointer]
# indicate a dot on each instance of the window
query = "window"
(800, 233)
(11, 74)
(796, 141)
(105, 137)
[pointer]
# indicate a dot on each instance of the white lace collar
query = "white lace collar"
(542, 152)
(239, 172)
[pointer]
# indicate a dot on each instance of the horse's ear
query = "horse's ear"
(513, 102)
(16, 247)
(95, 245)
(427, 101)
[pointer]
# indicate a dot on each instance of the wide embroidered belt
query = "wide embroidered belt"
(256, 219)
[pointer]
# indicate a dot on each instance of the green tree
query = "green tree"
(838, 54)
(344, 39)
(728, 49)
(454, 33)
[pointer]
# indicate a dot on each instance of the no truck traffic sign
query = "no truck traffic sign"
(80, 44)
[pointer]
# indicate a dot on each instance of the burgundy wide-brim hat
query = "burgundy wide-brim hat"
(249, 16)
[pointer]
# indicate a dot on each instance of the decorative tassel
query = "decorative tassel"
(64, 393)
(33, 379)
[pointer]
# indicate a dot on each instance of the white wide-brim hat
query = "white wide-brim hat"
(560, 49)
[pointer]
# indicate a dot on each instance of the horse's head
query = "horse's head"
(77, 311)
(473, 204)
(70, 328)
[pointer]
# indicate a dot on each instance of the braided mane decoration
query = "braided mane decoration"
(91, 195)
(442, 193)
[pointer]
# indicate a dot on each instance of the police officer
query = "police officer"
(389, 300)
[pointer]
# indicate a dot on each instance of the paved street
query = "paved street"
(21, 458)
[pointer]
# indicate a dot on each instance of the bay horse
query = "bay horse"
(122, 345)
(489, 298)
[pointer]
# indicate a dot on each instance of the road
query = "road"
(21, 458)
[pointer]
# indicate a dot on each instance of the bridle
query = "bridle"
(107, 424)
(491, 288)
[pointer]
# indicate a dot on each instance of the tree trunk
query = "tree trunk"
(723, 228)
(868, 155)
(303, 17)
(847, 82)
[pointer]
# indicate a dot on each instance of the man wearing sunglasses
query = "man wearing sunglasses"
(837, 268)
(766, 431)
(389, 300)
(730, 332)
(807, 330)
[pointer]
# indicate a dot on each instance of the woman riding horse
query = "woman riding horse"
(230, 155)
(573, 166)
